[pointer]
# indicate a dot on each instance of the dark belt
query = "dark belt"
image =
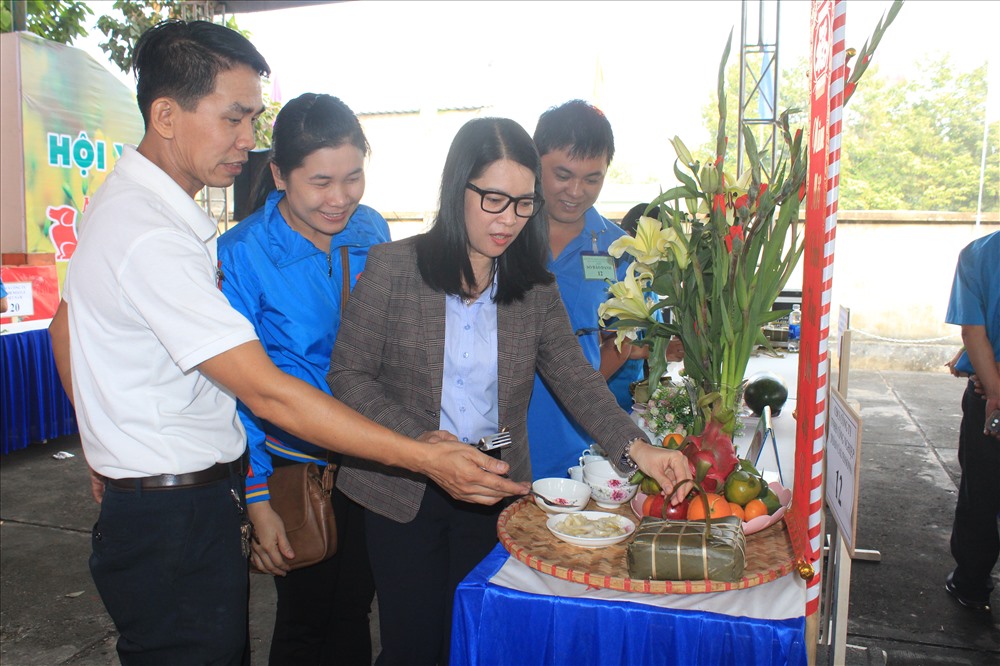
(216, 472)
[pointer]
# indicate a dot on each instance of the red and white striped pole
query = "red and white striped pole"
(827, 96)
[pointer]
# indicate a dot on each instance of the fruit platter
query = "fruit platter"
(759, 518)
(524, 532)
(723, 485)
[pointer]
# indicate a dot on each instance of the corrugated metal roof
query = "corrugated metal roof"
(397, 111)
(246, 6)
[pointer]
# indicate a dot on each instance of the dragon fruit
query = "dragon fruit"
(711, 455)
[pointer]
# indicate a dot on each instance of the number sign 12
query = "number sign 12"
(843, 466)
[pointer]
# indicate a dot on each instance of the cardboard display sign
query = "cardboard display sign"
(32, 292)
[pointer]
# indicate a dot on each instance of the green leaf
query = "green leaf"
(688, 182)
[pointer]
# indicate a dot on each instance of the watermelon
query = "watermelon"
(765, 388)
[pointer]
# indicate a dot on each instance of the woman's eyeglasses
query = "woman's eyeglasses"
(497, 202)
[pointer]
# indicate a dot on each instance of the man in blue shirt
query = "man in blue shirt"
(975, 306)
(576, 145)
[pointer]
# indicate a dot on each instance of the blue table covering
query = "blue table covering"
(493, 624)
(35, 407)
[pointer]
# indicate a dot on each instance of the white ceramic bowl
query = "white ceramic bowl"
(599, 468)
(608, 488)
(589, 457)
(555, 523)
(569, 494)
(611, 493)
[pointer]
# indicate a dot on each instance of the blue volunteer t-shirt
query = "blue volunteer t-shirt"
(291, 292)
(975, 293)
(556, 440)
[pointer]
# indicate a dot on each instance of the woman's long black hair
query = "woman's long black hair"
(304, 125)
(443, 252)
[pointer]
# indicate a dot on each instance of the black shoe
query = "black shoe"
(978, 605)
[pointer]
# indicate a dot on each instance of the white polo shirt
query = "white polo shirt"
(144, 311)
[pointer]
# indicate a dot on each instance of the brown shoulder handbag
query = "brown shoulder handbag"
(300, 494)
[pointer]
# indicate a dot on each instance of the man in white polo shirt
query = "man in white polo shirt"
(154, 357)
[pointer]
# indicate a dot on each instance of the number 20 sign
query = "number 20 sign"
(843, 466)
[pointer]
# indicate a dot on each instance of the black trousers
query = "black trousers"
(417, 566)
(975, 540)
(169, 567)
(323, 610)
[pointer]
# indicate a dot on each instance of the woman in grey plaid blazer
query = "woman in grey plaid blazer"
(440, 340)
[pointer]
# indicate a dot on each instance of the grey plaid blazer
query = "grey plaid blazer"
(388, 362)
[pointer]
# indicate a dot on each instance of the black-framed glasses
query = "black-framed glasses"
(497, 202)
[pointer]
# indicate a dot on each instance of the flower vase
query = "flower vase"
(711, 400)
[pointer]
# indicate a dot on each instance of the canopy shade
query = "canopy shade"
(246, 6)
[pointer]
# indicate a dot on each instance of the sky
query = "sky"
(651, 66)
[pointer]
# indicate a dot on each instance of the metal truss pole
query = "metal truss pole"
(758, 107)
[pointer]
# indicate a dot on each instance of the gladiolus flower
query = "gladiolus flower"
(735, 231)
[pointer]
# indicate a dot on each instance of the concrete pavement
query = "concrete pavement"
(899, 612)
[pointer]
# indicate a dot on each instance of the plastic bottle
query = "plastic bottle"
(794, 327)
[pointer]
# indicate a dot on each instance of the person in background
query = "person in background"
(975, 306)
(442, 337)
(576, 145)
(154, 357)
(621, 382)
(3, 297)
(284, 268)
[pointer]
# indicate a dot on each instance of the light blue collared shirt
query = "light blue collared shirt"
(469, 394)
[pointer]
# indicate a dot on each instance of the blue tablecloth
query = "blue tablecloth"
(493, 624)
(35, 407)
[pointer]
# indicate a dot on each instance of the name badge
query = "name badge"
(598, 267)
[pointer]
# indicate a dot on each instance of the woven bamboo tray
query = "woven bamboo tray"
(522, 531)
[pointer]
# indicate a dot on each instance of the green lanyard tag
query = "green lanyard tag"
(598, 266)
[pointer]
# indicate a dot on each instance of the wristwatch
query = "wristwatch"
(626, 459)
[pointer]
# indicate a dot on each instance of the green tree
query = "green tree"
(59, 20)
(136, 18)
(907, 145)
(917, 145)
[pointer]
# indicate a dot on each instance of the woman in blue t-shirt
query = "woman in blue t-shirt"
(285, 268)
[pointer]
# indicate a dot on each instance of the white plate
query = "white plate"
(591, 542)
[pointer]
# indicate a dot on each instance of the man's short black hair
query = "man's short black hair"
(181, 59)
(577, 127)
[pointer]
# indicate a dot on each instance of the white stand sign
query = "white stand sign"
(842, 462)
(842, 466)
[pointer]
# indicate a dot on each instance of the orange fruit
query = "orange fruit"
(736, 510)
(754, 508)
(718, 507)
(673, 440)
